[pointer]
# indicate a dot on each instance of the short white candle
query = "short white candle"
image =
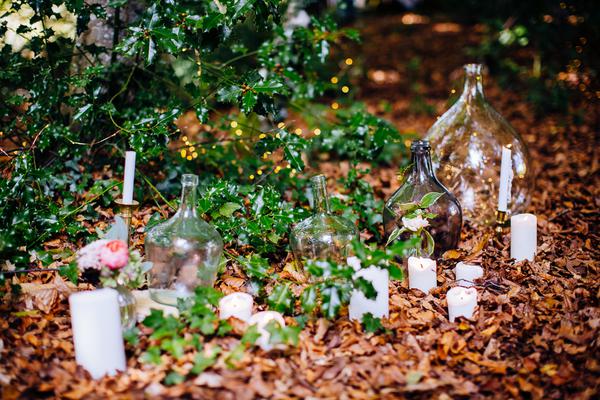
(505, 178)
(523, 236)
(261, 320)
(422, 273)
(129, 177)
(461, 302)
(379, 306)
(96, 323)
(467, 273)
(238, 305)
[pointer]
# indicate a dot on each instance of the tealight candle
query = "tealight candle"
(422, 273)
(97, 335)
(129, 177)
(523, 236)
(505, 178)
(379, 306)
(461, 302)
(238, 305)
(467, 273)
(261, 320)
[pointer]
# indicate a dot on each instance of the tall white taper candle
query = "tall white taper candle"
(129, 177)
(505, 177)
(523, 236)
(97, 335)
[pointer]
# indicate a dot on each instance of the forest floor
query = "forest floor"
(535, 335)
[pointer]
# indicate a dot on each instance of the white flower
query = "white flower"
(5, 6)
(15, 35)
(416, 223)
(65, 27)
(89, 256)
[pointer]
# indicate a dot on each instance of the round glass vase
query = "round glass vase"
(127, 305)
(324, 235)
(185, 251)
(468, 141)
(418, 181)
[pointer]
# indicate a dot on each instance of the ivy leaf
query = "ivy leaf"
(174, 346)
(151, 355)
(429, 199)
(308, 299)
(255, 266)
(366, 287)
(203, 361)
(70, 272)
(289, 335)
(132, 336)
(281, 299)
(396, 272)
(174, 378)
(371, 324)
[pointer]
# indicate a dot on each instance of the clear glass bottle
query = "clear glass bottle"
(468, 141)
(185, 250)
(127, 305)
(418, 181)
(324, 235)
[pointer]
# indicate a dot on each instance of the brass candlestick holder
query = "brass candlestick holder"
(501, 222)
(126, 212)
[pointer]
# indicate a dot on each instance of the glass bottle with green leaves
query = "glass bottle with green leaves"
(185, 250)
(324, 235)
(423, 207)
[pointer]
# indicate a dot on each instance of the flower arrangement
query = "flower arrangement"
(118, 265)
(415, 221)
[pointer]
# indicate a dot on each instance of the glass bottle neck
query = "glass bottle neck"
(319, 191)
(422, 169)
(473, 87)
(187, 207)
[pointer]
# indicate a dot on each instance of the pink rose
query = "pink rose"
(115, 254)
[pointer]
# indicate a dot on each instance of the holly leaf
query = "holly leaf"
(308, 299)
(281, 299)
(70, 271)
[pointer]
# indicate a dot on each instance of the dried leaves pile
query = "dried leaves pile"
(536, 333)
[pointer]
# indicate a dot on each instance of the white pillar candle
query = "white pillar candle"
(467, 273)
(129, 177)
(461, 302)
(422, 273)
(379, 306)
(261, 320)
(505, 178)
(523, 236)
(96, 323)
(238, 305)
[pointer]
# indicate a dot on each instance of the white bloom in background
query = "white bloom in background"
(416, 223)
(16, 36)
(5, 6)
(65, 27)
(89, 256)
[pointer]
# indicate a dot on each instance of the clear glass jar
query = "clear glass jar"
(127, 304)
(418, 181)
(324, 235)
(467, 141)
(185, 250)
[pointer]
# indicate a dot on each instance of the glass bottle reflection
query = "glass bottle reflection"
(468, 141)
(323, 235)
(420, 180)
(185, 250)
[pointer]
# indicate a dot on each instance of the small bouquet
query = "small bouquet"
(118, 266)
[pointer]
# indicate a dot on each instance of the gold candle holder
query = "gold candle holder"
(126, 212)
(501, 221)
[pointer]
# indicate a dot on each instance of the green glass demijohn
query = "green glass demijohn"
(185, 250)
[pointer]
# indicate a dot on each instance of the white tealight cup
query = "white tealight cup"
(422, 274)
(261, 320)
(238, 305)
(461, 302)
(466, 274)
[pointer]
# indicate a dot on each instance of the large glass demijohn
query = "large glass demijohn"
(185, 251)
(467, 146)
